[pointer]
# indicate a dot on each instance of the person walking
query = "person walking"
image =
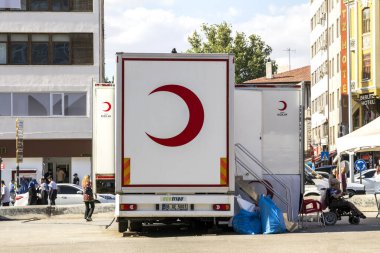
(61, 175)
(88, 197)
(32, 190)
(44, 191)
(52, 191)
(5, 195)
(12, 191)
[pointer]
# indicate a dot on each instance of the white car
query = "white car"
(368, 179)
(68, 194)
(321, 183)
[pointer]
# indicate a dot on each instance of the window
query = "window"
(5, 104)
(60, 5)
(43, 104)
(40, 49)
(39, 5)
(366, 21)
(32, 104)
(62, 189)
(75, 104)
(47, 49)
(19, 49)
(3, 48)
(54, 5)
(57, 105)
(366, 71)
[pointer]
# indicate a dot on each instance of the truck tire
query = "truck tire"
(123, 226)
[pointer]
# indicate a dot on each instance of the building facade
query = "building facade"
(326, 74)
(51, 53)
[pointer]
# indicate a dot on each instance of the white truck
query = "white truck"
(269, 141)
(174, 138)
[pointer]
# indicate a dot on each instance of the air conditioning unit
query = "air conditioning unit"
(353, 84)
(352, 44)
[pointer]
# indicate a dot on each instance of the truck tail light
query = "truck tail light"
(221, 207)
(128, 207)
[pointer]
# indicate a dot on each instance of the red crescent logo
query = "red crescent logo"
(285, 105)
(108, 106)
(196, 116)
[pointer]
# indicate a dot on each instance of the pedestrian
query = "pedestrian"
(61, 175)
(342, 176)
(32, 190)
(5, 195)
(44, 191)
(12, 191)
(76, 179)
(88, 197)
(52, 191)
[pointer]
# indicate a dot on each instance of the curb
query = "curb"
(48, 211)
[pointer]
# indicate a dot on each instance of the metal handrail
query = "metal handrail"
(268, 186)
(269, 172)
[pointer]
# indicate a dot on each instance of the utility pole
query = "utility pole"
(289, 50)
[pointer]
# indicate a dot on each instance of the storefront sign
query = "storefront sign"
(343, 52)
(367, 99)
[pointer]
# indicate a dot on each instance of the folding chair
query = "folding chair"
(309, 206)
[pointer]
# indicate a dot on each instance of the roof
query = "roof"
(292, 76)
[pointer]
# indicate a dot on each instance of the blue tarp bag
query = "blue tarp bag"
(247, 223)
(272, 220)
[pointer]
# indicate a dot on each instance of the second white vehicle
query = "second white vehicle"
(68, 194)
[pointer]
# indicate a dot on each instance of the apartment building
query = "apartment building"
(326, 75)
(51, 53)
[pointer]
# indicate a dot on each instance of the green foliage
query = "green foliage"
(251, 53)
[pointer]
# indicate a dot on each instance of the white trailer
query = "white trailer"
(269, 127)
(103, 139)
(174, 138)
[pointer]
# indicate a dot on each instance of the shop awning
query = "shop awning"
(366, 138)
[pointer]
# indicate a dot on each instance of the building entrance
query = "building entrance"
(58, 167)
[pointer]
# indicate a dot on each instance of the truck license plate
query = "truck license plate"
(174, 207)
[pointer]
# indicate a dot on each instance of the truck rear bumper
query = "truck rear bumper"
(173, 206)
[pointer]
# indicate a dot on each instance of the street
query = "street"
(73, 234)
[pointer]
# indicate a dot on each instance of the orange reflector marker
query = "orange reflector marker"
(128, 207)
(223, 171)
(126, 171)
(221, 207)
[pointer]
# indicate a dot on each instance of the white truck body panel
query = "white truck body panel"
(103, 145)
(158, 99)
(267, 124)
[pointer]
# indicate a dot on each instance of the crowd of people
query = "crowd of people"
(43, 192)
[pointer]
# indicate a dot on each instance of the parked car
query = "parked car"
(368, 179)
(67, 194)
(321, 183)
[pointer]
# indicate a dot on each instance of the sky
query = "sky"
(158, 26)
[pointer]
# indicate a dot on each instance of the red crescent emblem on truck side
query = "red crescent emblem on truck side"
(108, 106)
(285, 105)
(196, 116)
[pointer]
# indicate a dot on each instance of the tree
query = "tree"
(251, 54)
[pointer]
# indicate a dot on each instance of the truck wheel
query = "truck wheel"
(354, 220)
(135, 226)
(123, 226)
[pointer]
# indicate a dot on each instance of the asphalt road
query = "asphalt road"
(74, 234)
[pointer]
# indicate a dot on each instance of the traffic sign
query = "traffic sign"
(360, 165)
(324, 155)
